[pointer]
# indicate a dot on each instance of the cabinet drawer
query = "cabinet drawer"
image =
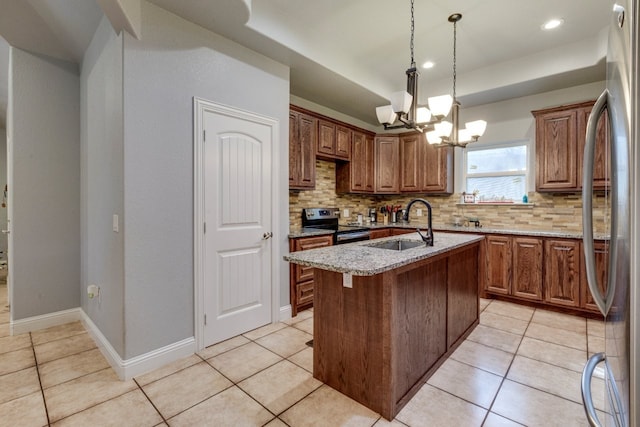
(304, 292)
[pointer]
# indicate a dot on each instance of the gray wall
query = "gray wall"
(102, 183)
(3, 181)
(44, 100)
(175, 61)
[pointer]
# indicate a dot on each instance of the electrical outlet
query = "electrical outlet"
(93, 291)
(345, 213)
(419, 212)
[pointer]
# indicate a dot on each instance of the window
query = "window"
(497, 172)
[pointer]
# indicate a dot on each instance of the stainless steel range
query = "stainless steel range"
(327, 218)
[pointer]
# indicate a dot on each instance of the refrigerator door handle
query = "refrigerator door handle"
(603, 302)
(587, 398)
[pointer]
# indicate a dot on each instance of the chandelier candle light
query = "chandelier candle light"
(404, 107)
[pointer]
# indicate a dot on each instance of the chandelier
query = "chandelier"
(404, 107)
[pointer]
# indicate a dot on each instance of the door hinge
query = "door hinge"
(204, 135)
(205, 319)
(205, 228)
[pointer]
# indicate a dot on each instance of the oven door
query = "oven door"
(341, 238)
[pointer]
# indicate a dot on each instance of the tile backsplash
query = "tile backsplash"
(551, 212)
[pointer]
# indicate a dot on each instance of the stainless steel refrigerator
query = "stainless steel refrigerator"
(620, 303)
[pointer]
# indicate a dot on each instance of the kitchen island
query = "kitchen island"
(384, 320)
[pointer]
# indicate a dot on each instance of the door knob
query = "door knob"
(267, 236)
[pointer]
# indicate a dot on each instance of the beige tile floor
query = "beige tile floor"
(519, 367)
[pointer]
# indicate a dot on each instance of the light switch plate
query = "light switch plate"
(345, 213)
(419, 212)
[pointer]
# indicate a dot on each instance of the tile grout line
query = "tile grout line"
(504, 378)
(150, 401)
(35, 359)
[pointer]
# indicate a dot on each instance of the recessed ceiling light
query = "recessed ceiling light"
(552, 23)
(428, 64)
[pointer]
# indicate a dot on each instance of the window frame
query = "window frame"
(530, 163)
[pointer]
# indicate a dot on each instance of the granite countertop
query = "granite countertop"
(360, 260)
(308, 231)
(305, 232)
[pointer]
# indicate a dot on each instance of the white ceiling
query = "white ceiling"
(350, 55)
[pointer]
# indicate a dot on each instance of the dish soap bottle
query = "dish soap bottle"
(525, 199)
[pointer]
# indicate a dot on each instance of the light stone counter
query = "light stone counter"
(308, 231)
(360, 260)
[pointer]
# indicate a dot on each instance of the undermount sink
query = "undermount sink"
(396, 245)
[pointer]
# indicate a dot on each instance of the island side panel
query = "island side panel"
(462, 301)
(350, 346)
(419, 337)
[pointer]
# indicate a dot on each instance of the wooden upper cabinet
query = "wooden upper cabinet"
(411, 154)
(334, 141)
(387, 164)
(302, 141)
(357, 176)
(437, 169)
(560, 139)
(602, 160)
(527, 268)
(423, 167)
(498, 264)
(562, 272)
(556, 151)
(326, 138)
(343, 143)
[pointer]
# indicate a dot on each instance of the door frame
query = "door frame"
(200, 107)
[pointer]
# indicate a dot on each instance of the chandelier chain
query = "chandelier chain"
(413, 63)
(454, 58)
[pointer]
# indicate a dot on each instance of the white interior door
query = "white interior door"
(237, 156)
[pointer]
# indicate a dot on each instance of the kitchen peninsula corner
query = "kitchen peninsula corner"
(385, 320)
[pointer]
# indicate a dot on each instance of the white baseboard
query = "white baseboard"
(125, 369)
(285, 312)
(35, 323)
(129, 368)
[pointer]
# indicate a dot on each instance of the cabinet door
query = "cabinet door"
(562, 272)
(387, 163)
(302, 158)
(556, 151)
(326, 138)
(527, 268)
(410, 163)
(343, 143)
(377, 234)
(307, 134)
(369, 165)
(401, 231)
(602, 275)
(303, 272)
(294, 151)
(602, 160)
(498, 264)
(437, 169)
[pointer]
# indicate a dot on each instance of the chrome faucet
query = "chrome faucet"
(428, 239)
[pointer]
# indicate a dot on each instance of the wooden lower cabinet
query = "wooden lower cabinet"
(378, 234)
(527, 268)
(547, 271)
(498, 264)
(401, 231)
(562, 259)
(301, 278)
(601, 249)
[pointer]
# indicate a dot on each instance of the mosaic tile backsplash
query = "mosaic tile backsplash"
(551, 212)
